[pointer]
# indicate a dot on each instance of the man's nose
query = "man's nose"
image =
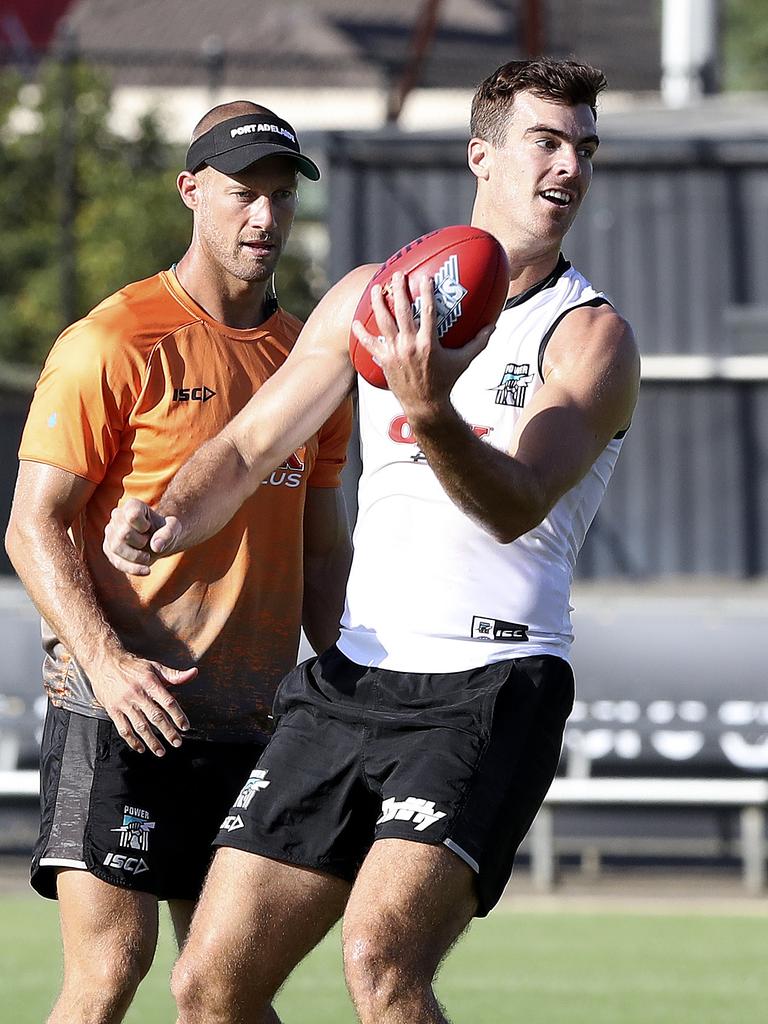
(568, 162)
(261, 214)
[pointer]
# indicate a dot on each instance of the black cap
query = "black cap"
(235, 144)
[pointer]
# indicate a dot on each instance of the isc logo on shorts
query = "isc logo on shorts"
(119, 862)
(231, 823)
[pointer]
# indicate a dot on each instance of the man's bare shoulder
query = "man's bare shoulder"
(597, 335)
(344, 296)
(329, 325)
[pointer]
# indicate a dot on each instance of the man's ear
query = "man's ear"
(189, 189)
(478, 157)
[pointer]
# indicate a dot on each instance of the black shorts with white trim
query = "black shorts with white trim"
(462, 759)
(133, 820)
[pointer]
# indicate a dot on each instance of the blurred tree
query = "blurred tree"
(745, 44)
(128, 221)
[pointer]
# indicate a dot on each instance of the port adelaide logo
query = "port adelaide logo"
(134, 836)
(134, 832)
(513, 385)
(449, 291)
(256, 781)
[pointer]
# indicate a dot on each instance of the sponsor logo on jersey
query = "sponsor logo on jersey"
(513, 385)
(257, 781)
(232, 823)
(449, 291)
(289, 474)
(134, 832)
(400, 432)
(120, 862)
(198, 394)
(421, 812)
(499, 630)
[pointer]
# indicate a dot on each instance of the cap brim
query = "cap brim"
(238, 159)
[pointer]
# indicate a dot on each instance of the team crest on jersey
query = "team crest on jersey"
(134, 832)
(449, 291)
(257, 780)
(514, 382)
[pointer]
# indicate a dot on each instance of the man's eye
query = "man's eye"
(546, 143)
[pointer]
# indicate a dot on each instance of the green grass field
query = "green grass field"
(540, 968)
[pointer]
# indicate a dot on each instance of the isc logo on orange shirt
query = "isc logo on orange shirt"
(193, 394)
(290, 472)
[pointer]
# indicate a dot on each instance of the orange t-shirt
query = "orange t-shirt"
(126, 396)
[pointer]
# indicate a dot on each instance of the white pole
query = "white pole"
(688, 49)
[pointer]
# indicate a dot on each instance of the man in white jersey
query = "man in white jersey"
(409, 760)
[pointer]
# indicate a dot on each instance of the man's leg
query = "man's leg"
(257, 918)
(408, 906)
(109, 936)
(181, 912)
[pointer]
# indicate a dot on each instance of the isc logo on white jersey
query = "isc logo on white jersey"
(421, 812)
(498, 629)
(449, 291)
(257, 780)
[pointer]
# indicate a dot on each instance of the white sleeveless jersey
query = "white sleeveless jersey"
(429, 589)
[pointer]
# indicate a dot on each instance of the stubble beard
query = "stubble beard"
(235, 260)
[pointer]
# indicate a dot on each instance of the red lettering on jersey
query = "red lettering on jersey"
(481, 431)
(401, 432)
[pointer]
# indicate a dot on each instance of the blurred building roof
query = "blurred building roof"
(354, 43)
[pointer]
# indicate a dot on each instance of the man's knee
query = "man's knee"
(203, 987)
(187, 987)
(103, 986)
(379, 967)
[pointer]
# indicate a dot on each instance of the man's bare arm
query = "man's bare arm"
(327, 558)
(591, 379)
(132, 690)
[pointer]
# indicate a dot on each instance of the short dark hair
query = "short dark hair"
(565, 81)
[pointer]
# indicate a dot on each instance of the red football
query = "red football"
(471, 275)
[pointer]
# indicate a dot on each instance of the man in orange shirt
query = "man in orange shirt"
(138, 770)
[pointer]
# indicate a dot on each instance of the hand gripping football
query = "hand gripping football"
(471, 278)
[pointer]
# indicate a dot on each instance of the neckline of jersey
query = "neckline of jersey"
(560, 268)
(183, 297)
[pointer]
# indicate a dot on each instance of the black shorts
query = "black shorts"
(134, 820)
(463, 759)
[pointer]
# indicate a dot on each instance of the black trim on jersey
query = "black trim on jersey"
(599, 300)
(517, 300)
